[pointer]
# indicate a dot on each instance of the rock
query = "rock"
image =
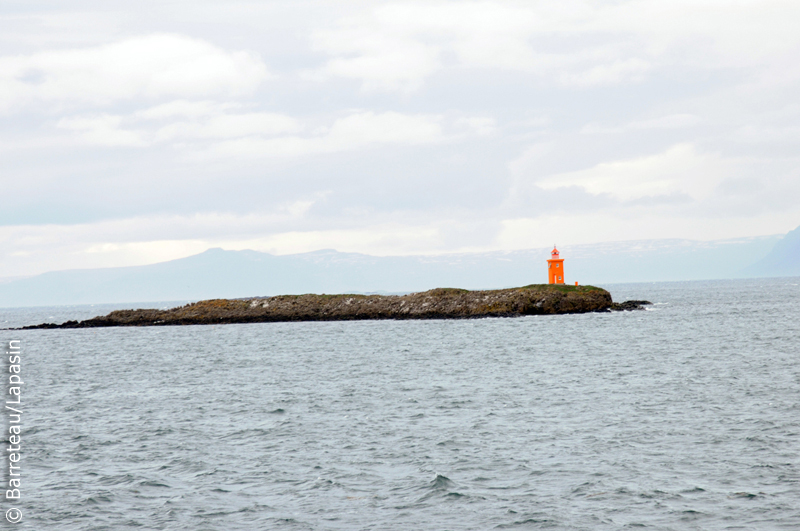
(440, 303)
(628, 306)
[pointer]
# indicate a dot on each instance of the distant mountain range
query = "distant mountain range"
(217, 273)
(782, 261)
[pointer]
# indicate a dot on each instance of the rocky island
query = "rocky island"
(440, 303)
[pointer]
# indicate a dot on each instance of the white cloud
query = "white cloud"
(379, 60)
(230, 126)
(389, 127)
(356, 131)
(699, 98)
(575, 43)
(195, 121)
(102, 130)
(754, 134)
(184, 109)
(152, 66)
(480, 125)
(706, 32)
(530, 158)
(680, 170)
(576, 228)
(259, 134)
(672, 121)
(397, 46)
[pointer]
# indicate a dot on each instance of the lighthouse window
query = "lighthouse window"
(558, 265)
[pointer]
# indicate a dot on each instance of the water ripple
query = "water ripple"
(684, 417)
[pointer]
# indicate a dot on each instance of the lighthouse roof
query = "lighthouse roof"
(555, 252)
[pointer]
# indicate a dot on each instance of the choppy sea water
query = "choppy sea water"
(685, 416)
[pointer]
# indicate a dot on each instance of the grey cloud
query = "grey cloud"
(336, 122)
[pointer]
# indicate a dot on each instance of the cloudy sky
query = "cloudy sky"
(132, 135)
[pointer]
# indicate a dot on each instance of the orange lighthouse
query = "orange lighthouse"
(555, 268)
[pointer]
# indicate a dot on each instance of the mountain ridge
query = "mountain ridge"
(782, 260)
(219, 273)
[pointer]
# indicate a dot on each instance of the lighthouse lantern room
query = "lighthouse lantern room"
(555, 268)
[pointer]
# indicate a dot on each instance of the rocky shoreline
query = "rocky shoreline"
(440, 303)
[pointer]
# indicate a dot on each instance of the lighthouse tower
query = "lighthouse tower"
(555, 268)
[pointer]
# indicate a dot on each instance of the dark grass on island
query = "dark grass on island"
(440, 303)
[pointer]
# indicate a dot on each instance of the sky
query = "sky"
(133, 133)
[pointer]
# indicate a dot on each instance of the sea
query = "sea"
(683, 416)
